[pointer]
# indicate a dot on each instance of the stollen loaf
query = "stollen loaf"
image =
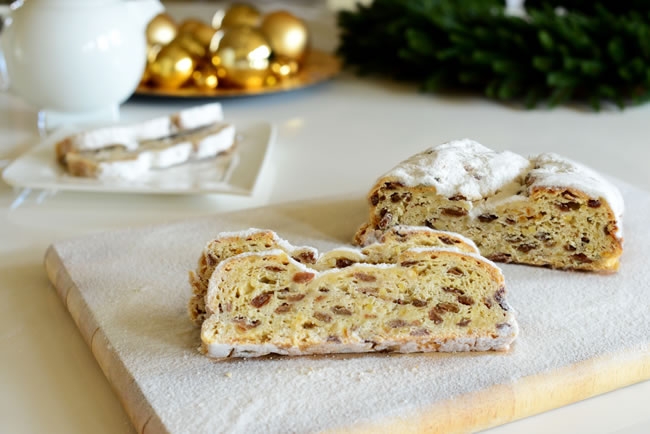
(545, 210)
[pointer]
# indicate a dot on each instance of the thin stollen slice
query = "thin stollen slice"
(129, 136)
(229, 244)
(384, 249)
(118, 162)
(432, 299)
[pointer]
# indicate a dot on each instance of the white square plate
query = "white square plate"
(235, 174)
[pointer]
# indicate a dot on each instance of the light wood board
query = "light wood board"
(581, 335)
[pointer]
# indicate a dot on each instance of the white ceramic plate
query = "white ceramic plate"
(236, 174)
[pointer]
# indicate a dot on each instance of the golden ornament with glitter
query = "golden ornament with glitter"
(244, 55)
(287, 34)
(240, 50)
(239, 14)
(187, 42)
(161, 30)
(173, 67)
(203, 34)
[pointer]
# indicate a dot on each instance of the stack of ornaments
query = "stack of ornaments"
(239, 48)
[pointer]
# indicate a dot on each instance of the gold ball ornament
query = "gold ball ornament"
(239, 14)
(189, 25)
(187, 42)
(161, 30)
(243, 54)
(203, 34)
(205, 77)
(287, 34)
(172, 67)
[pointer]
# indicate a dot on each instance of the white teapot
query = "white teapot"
(75, 56)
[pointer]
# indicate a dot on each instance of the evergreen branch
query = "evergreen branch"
(589, 53)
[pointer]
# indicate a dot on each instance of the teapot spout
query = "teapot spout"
(143, 11)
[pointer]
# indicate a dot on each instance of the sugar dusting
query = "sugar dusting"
(467, 168)
(552, 170)
(462, 167)
(134, 282)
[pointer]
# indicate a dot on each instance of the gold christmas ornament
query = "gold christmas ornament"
(189, 25)
(187, 42)
(239, 14)
(287, 34)
(243, 54)
(205, 77)
(172, 67)
(161, 30)
(283, 67)
(203, 34)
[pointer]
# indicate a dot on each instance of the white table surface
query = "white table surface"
(333, 139)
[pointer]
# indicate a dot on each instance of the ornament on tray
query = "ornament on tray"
(161, 30)
(239, 48)
(286, 33)
(238, 14)
(172, 67)
(244, 54)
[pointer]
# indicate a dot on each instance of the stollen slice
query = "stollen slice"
(432, 299)
(384, 249)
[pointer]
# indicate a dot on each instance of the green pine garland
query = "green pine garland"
(592, 52)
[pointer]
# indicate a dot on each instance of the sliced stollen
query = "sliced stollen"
(228, 244)
(119, 162)
(546, 210)
(432, 299)
(129, 136)
(384, 249)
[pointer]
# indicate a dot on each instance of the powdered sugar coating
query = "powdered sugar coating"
(467, 168)
(131, 169)
(215, 143)
(462, 167)
(128, 136)
(196, 117)
(130, 165)
(552, 170)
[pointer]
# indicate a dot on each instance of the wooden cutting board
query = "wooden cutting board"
(581, 335)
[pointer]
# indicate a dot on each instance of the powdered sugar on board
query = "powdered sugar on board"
(134, 284)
